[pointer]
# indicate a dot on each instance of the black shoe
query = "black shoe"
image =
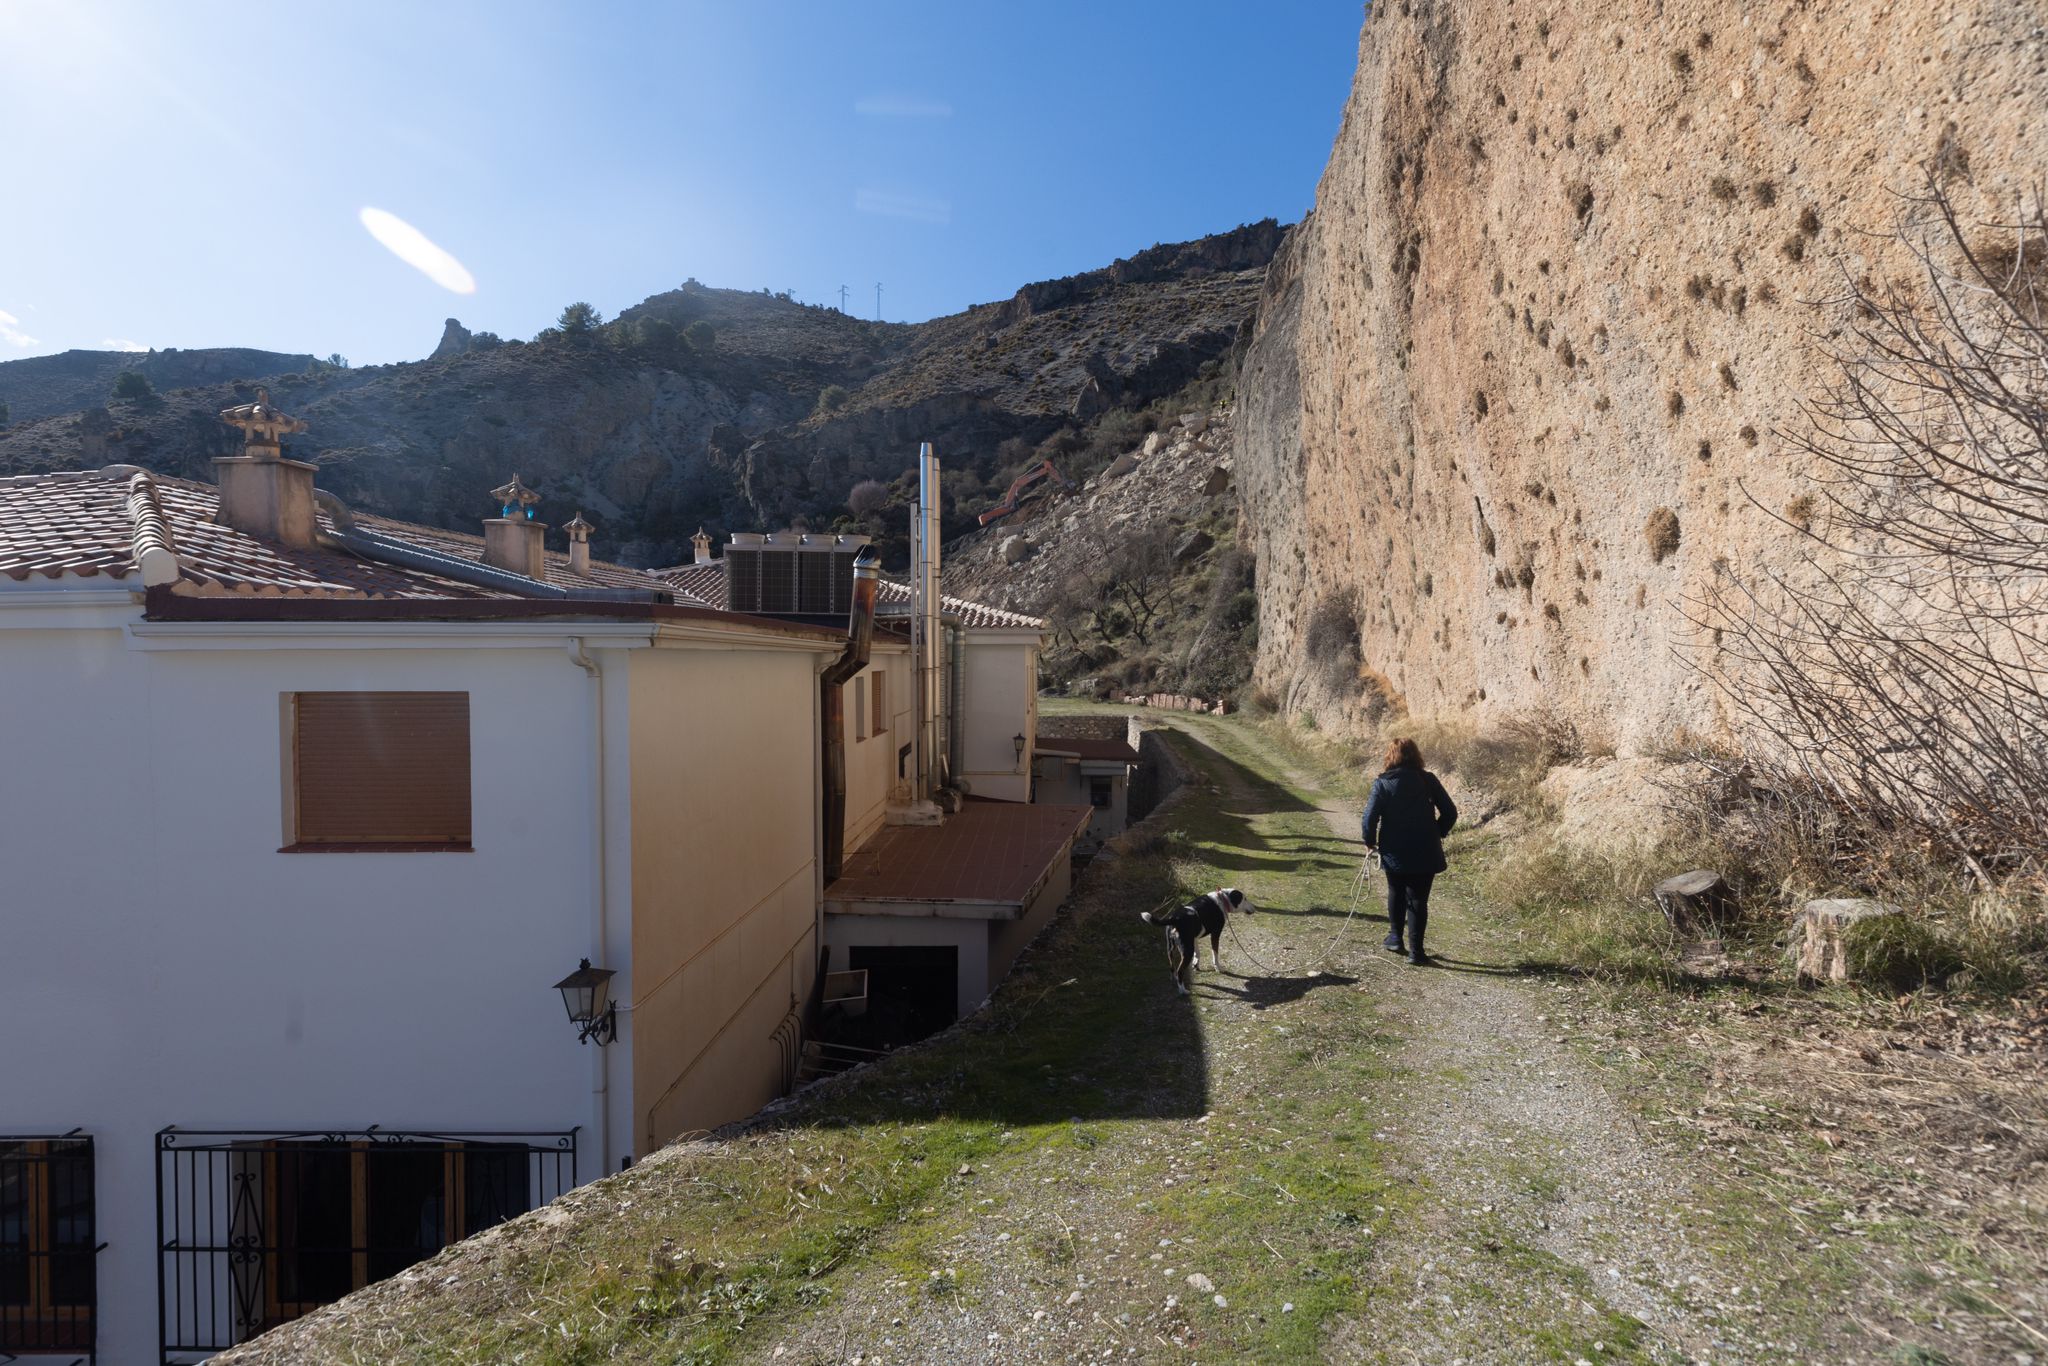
(1421, 960)
(1394, 944)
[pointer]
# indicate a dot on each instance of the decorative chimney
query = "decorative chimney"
(262, 493)
(702, 544)
(513, 539)
(579, 545)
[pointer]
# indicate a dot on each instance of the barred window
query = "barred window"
(47, 1277)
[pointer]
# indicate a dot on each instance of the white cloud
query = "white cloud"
(916, 208)
(11, 333)
(413, 247)
(122, 344)
(902, 107)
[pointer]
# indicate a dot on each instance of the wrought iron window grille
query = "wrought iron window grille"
(256, 1228)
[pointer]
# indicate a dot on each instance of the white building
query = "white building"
(302, 817)
(932, 906)
(1087, 769)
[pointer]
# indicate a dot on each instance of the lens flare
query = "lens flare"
(417, 250)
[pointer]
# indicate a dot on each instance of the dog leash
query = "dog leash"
(1357, 891)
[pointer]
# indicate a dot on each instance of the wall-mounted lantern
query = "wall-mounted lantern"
(584, 993)
(1019, 741)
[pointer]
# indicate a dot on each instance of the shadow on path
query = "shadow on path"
(1263, 992)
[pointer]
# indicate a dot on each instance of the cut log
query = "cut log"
(1693, 901)
(1822, 928)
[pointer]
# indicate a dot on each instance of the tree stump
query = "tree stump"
(1823, 928)
(1693, 901)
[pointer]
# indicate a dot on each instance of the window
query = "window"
(1098, 792)
(881, 724)
(344, 1215)
(860, 708)
(255, 1229)
(47, 1279)
(380, 770)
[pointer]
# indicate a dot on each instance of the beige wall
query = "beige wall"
(1001, 696)
(1007, 938)
(1068, 782)
(724, 776)
(871, 758)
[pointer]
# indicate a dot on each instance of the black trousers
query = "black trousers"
(1408, 907)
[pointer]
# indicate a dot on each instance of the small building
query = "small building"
(1087, 769)
(987, 662)
(933, 901)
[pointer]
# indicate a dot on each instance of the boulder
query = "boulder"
(1193, 546)
(1216, 481)
(1615, 805)
(1196, 423)
(1121, 466)
(1091, 402)
(1821, 930)
(1693, 900)
(1015, 548)
(1153, 443)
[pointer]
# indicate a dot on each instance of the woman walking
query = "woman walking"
(1406, 819)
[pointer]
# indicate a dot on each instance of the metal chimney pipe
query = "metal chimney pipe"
(933, 662)
(860, 635)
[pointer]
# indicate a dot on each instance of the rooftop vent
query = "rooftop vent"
(579, 545)
(262, 493)
(513, 539)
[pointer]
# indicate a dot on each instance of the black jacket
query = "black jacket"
(1407, 817)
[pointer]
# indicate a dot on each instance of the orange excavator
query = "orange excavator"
(1022, 485)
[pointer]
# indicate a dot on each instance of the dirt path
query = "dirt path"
(1503, 1206)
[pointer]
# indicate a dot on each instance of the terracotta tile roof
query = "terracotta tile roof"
(57, 524)
(701, 583)
(603, 574)
(85, 523)
(995, 854)
(705, 583)
(895, 597)
(1086, 747)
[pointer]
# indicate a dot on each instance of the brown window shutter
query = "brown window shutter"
(881, 726)
(382, 767)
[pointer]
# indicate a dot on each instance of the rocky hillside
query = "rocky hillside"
(1520, 383)
(44, 386)
(1139, 570)
(723, 408)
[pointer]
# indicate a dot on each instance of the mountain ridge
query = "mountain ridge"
(651, 427)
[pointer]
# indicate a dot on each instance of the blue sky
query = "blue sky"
(193, 174)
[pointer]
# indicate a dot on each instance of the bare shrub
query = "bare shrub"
(1902, 678)
(1661, 531)
(1506, 760)
(1331, 642)
(869, 497)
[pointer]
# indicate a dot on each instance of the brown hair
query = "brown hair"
(1402, 751)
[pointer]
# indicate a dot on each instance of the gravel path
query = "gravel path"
(1534, 1222)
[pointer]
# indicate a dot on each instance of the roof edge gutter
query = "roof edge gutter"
(860, 635)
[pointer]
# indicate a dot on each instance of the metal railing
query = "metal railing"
(49, 1283)
(257, 1229)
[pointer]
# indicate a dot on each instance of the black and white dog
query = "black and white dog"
(1184, 924)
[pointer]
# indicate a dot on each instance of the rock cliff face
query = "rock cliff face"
(1516, 382)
